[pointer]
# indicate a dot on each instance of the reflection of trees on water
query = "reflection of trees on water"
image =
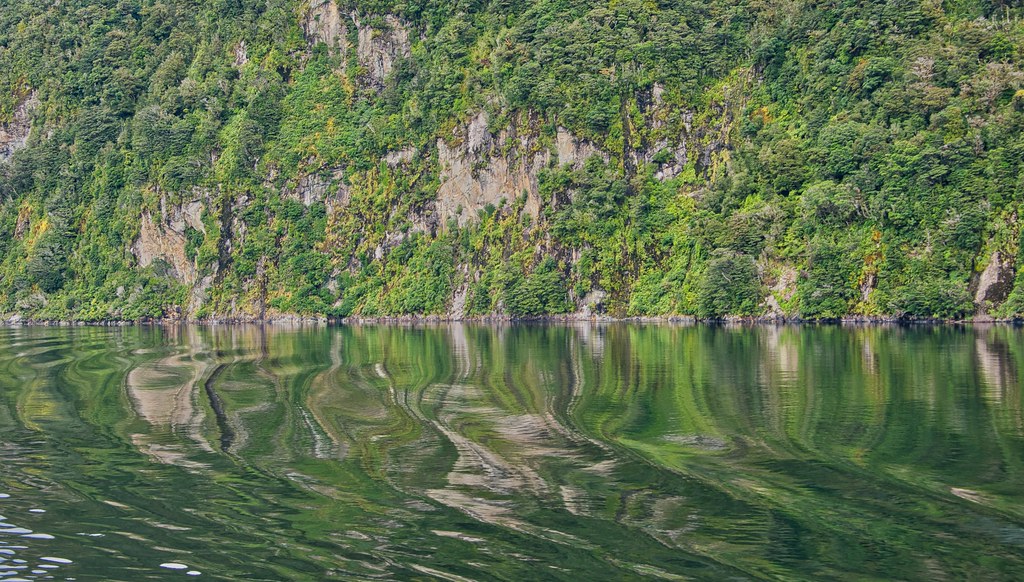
(746, 447)
(493, 413)
(225, 384)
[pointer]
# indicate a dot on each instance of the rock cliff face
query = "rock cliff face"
(476, 172)
(314, 187)
(479, 168)
(160, 241)
(380, 48)
(15, 133)
(380, 42)
(163, 241)
(162, 237)
(323, 22)
(329, 157)
(995, 282)
(573, 151)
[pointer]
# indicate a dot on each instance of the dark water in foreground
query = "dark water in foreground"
(526, 452)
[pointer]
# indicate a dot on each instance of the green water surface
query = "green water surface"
(516, 452)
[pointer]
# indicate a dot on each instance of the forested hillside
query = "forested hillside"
(258, 158)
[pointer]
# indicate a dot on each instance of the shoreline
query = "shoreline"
(16, 320)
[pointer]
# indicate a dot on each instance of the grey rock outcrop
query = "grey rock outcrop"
(379, 49)
(480, 168)
(14, 134)
(380, 41)
(995, 282)
(157, 241)
(323, 22)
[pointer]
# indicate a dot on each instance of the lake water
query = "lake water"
(465, 452)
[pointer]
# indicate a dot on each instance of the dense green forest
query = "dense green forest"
(259, 158)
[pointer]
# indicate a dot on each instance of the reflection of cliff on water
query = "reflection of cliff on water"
(761, 425)
(704, 451)
(164, 392)
(782, 419)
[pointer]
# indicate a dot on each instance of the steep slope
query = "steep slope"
(254, 159)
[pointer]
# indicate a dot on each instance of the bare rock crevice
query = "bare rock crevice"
(380, 41)
(163, 236)
(14, 134)
(480, 168)
(995, 282)
(322, 22)
(379, 49)
(157, 241)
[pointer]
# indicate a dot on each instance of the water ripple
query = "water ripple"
(473, 452)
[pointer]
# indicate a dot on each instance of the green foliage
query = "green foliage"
(828, 288)
(538, 293)
(427, 280)
(728, 286)
(47, 264)
(871, 148)
(923, 290)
